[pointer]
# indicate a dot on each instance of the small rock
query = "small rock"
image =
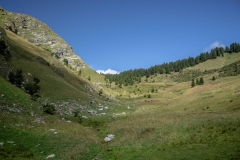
(50, 156)
(68, 121)
(1, 143)
(55, 132)
(109, 137)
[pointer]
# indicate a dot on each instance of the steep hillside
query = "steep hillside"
(57, 83)
(39, 34)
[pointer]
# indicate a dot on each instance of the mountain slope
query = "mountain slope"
(35, 62)
(39, 34)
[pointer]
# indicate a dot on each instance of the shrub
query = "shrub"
(31, 88)
(152, 90)
(80, 119)
(65, 61)
(48, 108)
(76, 113)
(18, 78)
(11, 77)
(89, 78)
(100, 92)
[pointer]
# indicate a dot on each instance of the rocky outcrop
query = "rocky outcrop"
(39, 34)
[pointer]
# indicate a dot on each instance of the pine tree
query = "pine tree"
(201, 81)
(11, 77)
(227, 49)
(213, 54)
(193, 83)
(213, 78)
(18, 78)
(197, 81)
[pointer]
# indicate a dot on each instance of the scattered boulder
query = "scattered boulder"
(50, 156)
(109, 137)
(93, 112)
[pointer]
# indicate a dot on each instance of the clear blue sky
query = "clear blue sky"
(128, 34)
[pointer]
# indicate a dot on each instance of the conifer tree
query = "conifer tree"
(193, 83)
(201, 81)
(227, 49)
(197, 81)
(11, 77)
(18, 78)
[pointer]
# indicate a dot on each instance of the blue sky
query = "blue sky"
(128, 34)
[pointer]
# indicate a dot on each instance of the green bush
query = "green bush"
(11, 77)
(80, 119)
(100, 92)
(48, 108)
(31, 88)
(76, 113)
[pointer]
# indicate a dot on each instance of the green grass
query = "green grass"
(174, 136)
(177, 122)
(37, 142)
(13, 95)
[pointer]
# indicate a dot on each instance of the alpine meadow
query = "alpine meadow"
(55, 106)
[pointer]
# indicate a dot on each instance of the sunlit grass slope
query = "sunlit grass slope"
(181, 122)
(26, 132)
(56, 80)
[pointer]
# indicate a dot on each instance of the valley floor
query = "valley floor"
(178, 122)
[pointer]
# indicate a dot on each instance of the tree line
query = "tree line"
(130, 77)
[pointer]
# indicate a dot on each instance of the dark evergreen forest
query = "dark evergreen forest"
(130, 77)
